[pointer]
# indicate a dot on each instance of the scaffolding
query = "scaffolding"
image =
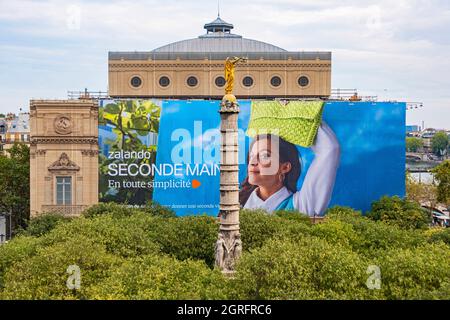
(337, 94)
(350, 95)
(83, 95)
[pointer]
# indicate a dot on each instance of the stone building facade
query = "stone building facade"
(63, 156)
(14, 129)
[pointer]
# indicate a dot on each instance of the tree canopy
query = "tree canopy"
(442, 175)
(439, 143)
(413, 144)
(15, 184)
(148, 253)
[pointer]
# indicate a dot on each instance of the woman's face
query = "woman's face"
(264, 167)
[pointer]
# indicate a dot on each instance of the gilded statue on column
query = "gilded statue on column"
(230, 66)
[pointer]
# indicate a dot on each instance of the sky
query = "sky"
(396, 50)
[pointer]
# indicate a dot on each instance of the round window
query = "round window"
(164, 81)
(247, 81)
(192, 81)
(136, 82)
(303, 81)
(275, 81)
(220, 81)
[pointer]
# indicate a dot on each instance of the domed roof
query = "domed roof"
(219, 43)
(219, 39)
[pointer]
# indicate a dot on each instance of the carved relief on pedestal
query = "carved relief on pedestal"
(220, 252)
(228, 251)
(63, 124)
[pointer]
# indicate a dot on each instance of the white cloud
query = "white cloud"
(400, 46)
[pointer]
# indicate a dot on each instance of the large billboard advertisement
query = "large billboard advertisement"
(338, 153)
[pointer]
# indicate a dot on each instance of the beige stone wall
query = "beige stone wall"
(78, 139)
(122, 71)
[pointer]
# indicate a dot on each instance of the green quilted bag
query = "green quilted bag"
(297, 122)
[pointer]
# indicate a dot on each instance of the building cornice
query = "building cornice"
(64, 140)
(152, 66)
(221, 56)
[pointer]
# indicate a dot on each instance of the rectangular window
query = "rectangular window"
(63, 190)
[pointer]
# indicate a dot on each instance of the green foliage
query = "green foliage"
(294, 215)
(17, 250)
(310, 268)
(15, 184)
(43, 224)
(441, 235)
(342, 213)
(118, 210)
(257, 226)
(439, 142)
(110, 208)
(122, 236)
(413, 144)
(337, 231)
(155, 209)
(442, 175)
(375, 237)
(366, 236)
(129, 118)
(144, 253)
(20, 152)
(44, 275)
(416, 273)
(400, 212)
(186, 237)
(161, 278)
(418, 192)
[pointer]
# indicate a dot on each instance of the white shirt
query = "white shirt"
(317, 188)
(255, 202)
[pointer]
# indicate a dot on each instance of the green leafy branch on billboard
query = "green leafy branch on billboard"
(131, 120)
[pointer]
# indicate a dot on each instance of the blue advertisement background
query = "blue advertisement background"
(371, 135)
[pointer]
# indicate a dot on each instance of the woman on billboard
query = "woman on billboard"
(273, 173)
